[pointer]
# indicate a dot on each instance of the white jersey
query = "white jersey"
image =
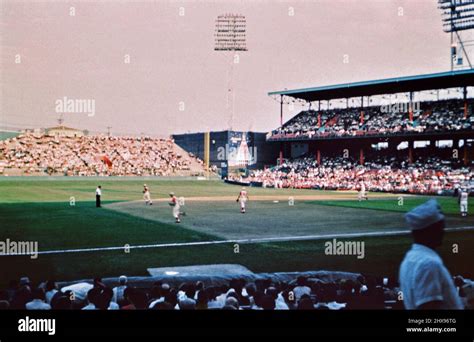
(175, 201)
(147, 196)
(463, 198)
(243, 196)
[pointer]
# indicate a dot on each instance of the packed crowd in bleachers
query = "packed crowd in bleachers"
(435, 116)
(302, 293)
(95, 155)
(426, 175)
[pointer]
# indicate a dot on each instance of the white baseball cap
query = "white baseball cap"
(424, 215)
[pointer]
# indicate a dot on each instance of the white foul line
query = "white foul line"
(244, 241)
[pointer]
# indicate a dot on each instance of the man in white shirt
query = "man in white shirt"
(38, 301)
(51, 290)
(301, 289)
(424, 280)
(119, 290)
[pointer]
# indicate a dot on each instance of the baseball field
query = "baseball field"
(283, 229)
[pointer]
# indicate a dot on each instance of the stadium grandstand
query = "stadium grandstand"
(43, 153)
(319, 290)
(408, 134)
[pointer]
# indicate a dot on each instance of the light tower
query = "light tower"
(458, 16)
(229, 38)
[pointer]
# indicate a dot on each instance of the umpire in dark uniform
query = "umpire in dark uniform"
(98, 193)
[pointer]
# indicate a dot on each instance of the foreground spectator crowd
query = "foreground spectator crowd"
(264, 294)
(93, 156)
(430, 175)
(436, 116)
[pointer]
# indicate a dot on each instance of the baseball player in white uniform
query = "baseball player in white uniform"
(147, 195)
(362, 194)
(463, 202)
(243, 198)
(176, 207)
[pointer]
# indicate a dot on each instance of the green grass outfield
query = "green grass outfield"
(38, 209)
(449, 205)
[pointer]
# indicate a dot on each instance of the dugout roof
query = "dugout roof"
(442, 80)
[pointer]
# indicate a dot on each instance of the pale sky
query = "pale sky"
(176, 82)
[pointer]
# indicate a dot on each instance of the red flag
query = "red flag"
(107, 161)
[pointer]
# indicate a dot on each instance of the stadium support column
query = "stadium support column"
(410, 151)
(361, 110)
(281, 125)
(465, 102)
(432, 147)
(361, 156)
(410, 107)
(466, 154)
(319, 114)
(207, 146)
(318, 156)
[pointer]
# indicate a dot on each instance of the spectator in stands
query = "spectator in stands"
(37, 302)
(301, 289)
(250, 291)
(280, 303)
(233, 302)
(94, 155)
(202, 300)
(268, 302)
(187, 304)
(21, 297)
(63, 302)
(305, 303)
(263, 294)
(92, 298)
(12, 288)
(51, 290)
(212, 303)
(432, 116)
(105, 301)
(119, 290)
(425, 282)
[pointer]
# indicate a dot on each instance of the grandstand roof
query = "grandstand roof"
(440, 80)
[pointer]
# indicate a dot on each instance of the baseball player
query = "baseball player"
(362, 192)
(463, 198)
(146, 195)
(176, 208)
(243, 198)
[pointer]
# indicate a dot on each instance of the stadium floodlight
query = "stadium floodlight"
(457, 16)
(230, 38)
(230, 33)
